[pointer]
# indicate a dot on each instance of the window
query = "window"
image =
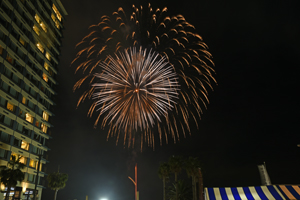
(40, 47)
(37, 123)
(13, 92)
(8, 73)
(32, 92)
(55, 21)
(22, 114)
(58, 15)
(22, 129)
(44, 128)
(28, 117)
(46, 66)
(3, 153)
(24, 101)
(9, 59)
(22, 41)
(36, 150)
(36, 29)
(25, 145)
(6, 120)
(45, 77)
(40, 22)
(4, 137)
(10, 107)
(17, 142)
(48, 56)
(30, 105)
(2, 101)
(45, 116)
(33, 163)
(4, 86)
(31, 178)
(22, 159)
(36, 137)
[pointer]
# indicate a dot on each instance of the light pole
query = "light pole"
(135, 183)
(37, 177)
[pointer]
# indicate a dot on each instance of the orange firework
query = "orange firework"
(111, 63)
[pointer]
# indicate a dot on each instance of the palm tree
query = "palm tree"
(175, 163)
(180, 191)
(163, 173)
(192, 166)
(12, 173)
(57, 181)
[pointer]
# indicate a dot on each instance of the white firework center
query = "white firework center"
(135, 89)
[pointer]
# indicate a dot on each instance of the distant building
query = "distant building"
(30, 40)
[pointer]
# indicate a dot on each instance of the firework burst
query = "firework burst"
(131, 106)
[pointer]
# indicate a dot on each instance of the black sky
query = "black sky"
(253, 114)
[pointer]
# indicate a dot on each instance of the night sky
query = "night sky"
(253, 115)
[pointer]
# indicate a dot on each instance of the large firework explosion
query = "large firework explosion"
(172, 38)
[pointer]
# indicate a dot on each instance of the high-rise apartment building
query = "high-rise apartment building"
(30, 40)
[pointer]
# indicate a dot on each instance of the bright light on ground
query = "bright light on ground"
(103, 199)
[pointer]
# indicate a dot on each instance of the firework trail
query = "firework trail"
(160, 88)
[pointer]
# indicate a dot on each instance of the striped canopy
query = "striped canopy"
(270, 192)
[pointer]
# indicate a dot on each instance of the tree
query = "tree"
(175, 163)
(180, 191)
(11, 174)
(163, 173)
(57, 181)
(192, 166)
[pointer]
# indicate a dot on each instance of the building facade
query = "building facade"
(30, 41)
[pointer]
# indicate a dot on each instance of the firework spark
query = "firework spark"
(137, 108)
(135, 90)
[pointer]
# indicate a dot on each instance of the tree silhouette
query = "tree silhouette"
(57, 181)
(163, 173)
(192, 166)
(176, 163)
(11, 174)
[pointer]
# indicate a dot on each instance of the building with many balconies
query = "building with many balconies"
(30, 40)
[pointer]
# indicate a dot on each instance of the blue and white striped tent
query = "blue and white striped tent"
(270, 192)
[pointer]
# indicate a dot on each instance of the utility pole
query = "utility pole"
(37, 177)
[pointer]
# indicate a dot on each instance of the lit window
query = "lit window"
(45, 77)
(22, 41)
(55, 21)
(44, 128)
(22, 159)
(36, 29)
(46, 66)
(28, 117)
(25, 145)
(58, 15)
(37, 18)
(37, 123)
(40, 47)
(24, 101)
(45, 116)
(48, 56)
(10, 106)
(33, 163)
(43, 26)
(9, 59)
